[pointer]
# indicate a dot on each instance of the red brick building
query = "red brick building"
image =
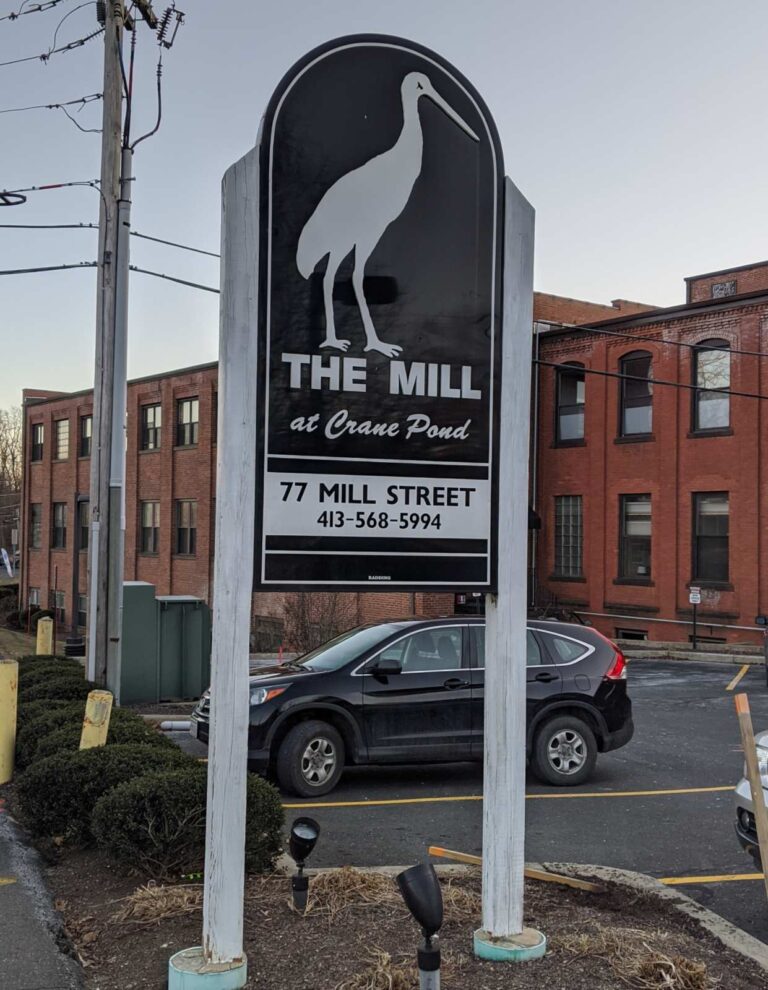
(644, 489)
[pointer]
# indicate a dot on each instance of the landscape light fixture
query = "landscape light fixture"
(304, 835)
(420, 889)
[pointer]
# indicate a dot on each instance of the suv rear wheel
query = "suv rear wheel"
(310, 759)
(564, 751)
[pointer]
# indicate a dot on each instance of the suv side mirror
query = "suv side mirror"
(386, 668)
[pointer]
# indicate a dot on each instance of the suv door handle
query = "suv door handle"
(545, 676)
(455, 682)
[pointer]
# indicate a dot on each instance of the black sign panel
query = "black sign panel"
(380, 293)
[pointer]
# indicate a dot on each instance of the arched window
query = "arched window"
(570, 403)
(636, 394)
(711, 370)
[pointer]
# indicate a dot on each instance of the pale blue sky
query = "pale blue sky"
(637, 130)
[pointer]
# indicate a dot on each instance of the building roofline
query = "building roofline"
(64, 396)
(727, 271)
(670, 312)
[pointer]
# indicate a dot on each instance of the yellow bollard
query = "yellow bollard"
(45, 638)
(98, 709)
(9, 685)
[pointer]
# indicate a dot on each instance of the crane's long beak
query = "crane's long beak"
(449, 111)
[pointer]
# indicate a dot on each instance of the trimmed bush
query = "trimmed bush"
(120, 732)
(36, 709)
(29, 674)
(59, 715)
(62, 687)
(58, 794)
(156, 823)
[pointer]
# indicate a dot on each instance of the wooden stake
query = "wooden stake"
(9, 687)
(529, 872)
(753, 776)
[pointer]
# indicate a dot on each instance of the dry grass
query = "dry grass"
(383, 972)
(334, 891)
(152, 903)
(639, 959)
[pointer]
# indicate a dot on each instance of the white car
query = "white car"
(745, 809)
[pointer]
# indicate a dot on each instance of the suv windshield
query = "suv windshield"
(347, 647)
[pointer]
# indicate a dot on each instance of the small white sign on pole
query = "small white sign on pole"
(694, 595)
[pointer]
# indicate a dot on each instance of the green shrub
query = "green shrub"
(35, 709)
(57, 794)
(39, 672)
(63, 715)
(156, 823)
(120, 732)
(61, 687)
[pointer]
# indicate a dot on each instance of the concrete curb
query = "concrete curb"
(730, 935)
(691, 656)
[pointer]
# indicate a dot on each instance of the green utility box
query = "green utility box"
(166, 651)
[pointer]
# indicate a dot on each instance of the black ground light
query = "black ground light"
(304, 835)
(420, 889)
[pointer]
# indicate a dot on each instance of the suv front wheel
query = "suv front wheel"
(310, 760)
(564, 751)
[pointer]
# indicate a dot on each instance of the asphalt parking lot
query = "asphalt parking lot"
(661, 805)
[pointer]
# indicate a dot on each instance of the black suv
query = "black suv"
(412, 692)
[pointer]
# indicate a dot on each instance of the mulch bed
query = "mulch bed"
(356, 935)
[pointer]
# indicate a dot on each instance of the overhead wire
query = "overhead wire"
(38, 8)
(95, 226)
(647, 381)
(652, 340)
(44, 56)
(48, 268)
(55, 106)
(172, 278)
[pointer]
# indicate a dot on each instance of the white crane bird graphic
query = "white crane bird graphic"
(358, 208)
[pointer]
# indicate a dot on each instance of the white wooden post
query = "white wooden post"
(222, 958)
(505, 644)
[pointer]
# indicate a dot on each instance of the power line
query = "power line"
(172, 278)
(658, 340)
(44, 56)
(184, 247)
(55, 106)
(50, 268)
(38, 8)
(648, 381)
(95, 226)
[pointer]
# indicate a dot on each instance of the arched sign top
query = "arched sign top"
(379, 322)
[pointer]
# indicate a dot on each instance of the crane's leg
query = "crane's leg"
(331, 340)
(373, 343)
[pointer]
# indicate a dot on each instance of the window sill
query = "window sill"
(568, 443)
(563, 577)
(150, 450)
(59, 460)
(186, 446)
(184, 556)
(35, 461)
(639, 582)
(713, 585)
(36, 549)
(83, 457)
(637, 606)
(725, 431)
(58, 549)
(636, 438)
(149, 553)
(82, 550)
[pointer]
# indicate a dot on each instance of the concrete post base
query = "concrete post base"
(187, 971)
(528, 945)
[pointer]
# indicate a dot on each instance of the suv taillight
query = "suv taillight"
(618, 669)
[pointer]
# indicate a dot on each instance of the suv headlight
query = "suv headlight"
(261, 695)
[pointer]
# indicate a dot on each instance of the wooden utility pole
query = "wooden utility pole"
(100, 626)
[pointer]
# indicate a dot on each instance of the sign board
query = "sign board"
(694, 595)
(379, 325)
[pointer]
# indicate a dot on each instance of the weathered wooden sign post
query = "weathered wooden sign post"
(372, 260)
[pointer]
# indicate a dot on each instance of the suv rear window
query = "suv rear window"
(566, 650)
(533, 656)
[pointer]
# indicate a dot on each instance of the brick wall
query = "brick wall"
(561, 309)
(670, 465)
(734, 281)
